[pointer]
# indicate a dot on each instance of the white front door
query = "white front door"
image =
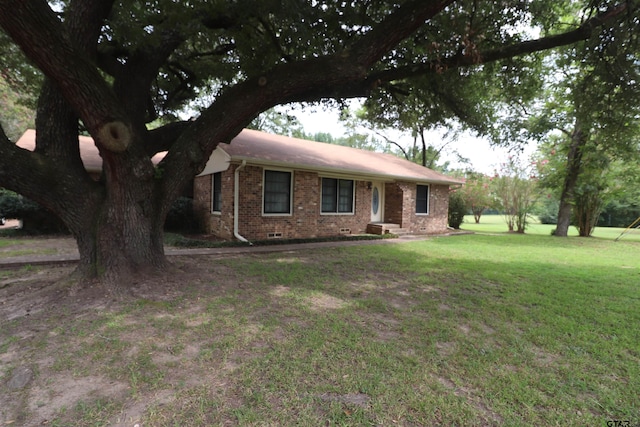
(377, 201)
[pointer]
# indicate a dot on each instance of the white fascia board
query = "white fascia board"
(218, 162)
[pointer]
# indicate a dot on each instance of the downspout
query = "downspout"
(236, 199)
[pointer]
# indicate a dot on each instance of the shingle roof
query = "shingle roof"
(88, 150)
(282, 151)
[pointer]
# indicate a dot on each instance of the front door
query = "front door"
(377, 201)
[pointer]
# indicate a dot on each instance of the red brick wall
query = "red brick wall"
(218, 224)
(400, 208)
(305, 219)
(398, 199)
(393, 204)
(436, 221)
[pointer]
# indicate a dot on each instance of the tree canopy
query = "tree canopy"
(113, 68)
(590, 112)
(17, 114)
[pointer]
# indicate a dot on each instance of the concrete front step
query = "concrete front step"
(385, 228)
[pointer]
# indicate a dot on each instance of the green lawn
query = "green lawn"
(496, 224)
(472, 330)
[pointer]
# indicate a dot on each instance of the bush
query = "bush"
(457, 210)
(11, 204)
(181, 217)
(547, 212)
(619, 214)
(35, 218)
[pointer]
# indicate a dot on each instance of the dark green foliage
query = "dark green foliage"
(16, 116)
(35, 218)
(20, 81)
(547, 211)
(11, 204)
(619, 214)
(457, 209)
(181, 217)
(595, 108)
(277, 122)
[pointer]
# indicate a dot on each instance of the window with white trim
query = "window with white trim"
(216, 192)
(277, 192)
(422, 199)
(337, 195)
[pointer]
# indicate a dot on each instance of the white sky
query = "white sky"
(484, 158)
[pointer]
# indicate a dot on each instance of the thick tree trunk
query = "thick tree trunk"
(564, 215)
(128, 250)
(117, 221)
(123, 242)
(574, 167)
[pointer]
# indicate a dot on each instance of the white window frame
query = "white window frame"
(213, 180)
(353, 196)
(428, 199)
(264, 187)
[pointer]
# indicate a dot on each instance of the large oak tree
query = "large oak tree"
(113, 67)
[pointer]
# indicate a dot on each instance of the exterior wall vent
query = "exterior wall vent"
(274, 235)
(345, 231)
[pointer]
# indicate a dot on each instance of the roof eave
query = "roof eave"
(366, 176)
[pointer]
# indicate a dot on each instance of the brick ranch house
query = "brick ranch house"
(265, 186)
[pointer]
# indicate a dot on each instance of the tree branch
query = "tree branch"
(390, 141)
(385, 36)
(56, 122)
(342, 75)
(163, 138)
(45, 180)
(583, 32)
(133, 81)
(274, 39)
(311, 79)
(85, 23)
(374, 79)
(15, 160)
(39, 33)
(107, 57)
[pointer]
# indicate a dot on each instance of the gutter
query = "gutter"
(236, 199)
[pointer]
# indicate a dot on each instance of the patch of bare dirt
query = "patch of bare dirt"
(39, 307)
(58, 337)
(47, 245)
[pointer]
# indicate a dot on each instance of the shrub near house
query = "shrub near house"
(35, 218)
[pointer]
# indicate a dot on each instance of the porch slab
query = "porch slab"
(385, 228)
